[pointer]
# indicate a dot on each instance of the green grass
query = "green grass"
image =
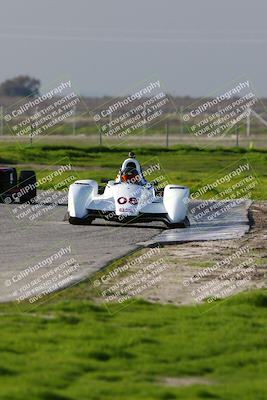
(73, 349)
(186, 165)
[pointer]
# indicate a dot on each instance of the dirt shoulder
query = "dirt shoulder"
(195, 272)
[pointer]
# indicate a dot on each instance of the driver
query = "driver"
(130, 174)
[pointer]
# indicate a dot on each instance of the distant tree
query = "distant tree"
(20, 86)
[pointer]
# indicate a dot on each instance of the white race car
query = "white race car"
(128, 199)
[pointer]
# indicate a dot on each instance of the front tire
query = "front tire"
(183, 224)
(80, 221)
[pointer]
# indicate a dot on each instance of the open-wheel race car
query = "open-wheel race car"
(128, 199)
(14, 189)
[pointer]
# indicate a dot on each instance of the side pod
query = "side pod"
(175, 200)
(81, 193)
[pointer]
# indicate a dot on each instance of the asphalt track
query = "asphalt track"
(46, 253)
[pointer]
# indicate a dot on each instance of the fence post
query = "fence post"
(181, 120)
(100, 136)
(248, 123)
(2, 120)
(167, 133)
(74, 121)
(237, 135)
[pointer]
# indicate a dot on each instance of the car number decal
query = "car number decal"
(131, 200)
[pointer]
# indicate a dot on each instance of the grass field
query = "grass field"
(186, 165)
(73, 349)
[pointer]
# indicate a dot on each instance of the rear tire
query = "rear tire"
(27, 178)
(8, 181)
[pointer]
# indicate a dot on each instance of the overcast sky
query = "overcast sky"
(106, 46)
